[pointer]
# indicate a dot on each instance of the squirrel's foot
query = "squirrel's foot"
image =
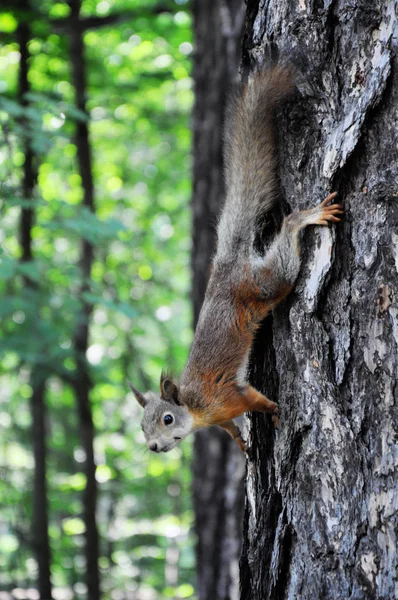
(326, 212)
(275, 420)
(275, 416)
(242, 445)
(320, 215)
(240, 441)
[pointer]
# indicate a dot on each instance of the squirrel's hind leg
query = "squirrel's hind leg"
(277, 271)
(321, 214)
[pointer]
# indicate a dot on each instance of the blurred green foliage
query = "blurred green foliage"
(139, 101)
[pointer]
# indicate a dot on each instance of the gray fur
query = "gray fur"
(251, 182)
(250, 160)
(243, 285)
(155, 431)
(282, 259)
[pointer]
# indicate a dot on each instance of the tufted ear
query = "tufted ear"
(168, 389)
(139, 397)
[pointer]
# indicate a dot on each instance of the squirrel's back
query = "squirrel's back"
(250, 158)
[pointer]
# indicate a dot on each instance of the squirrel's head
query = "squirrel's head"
(166, 420)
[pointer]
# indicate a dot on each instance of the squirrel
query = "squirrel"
(244, 285)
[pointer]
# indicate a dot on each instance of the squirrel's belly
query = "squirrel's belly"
(242, 370)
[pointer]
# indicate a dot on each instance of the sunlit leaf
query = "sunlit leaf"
(73, 526)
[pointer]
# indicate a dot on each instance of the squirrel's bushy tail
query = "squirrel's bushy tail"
(250, 157)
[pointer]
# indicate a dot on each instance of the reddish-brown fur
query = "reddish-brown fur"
(220, 397)
(244, 285)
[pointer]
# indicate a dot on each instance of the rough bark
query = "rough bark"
(218, 464)
(83, 385)
(321, 500)
(39, 530)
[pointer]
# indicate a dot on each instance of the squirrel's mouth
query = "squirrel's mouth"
(171, 445)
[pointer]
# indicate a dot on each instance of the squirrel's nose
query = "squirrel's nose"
(153, 446)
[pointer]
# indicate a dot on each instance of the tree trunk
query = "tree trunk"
(83, 384)
(321, 500)
(39, 530)
(40, 538)
(218, 464)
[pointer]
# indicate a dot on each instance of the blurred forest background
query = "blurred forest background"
(95, 154)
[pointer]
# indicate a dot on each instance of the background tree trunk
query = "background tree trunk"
(218, 463)
(83, 385)
(321, 500)
(39, 530)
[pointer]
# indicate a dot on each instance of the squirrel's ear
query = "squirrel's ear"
(168, 389)
(139, 397)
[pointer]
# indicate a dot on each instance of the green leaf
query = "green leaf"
(30, 270)
(75, 114)
(121, 307)
(8, 267)
(8, 23)
(8, 543)
(14, 109)
(87, 225)
(73, 526)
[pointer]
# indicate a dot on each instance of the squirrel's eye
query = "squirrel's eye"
(168, 419)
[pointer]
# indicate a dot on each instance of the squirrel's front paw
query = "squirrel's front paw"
(275, 411)
(241, 442)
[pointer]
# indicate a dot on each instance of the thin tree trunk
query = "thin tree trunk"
(39, 530)
(321, 500)
(40, 538)
(218, 464)
(83, 380)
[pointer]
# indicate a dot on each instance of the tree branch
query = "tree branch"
(94, 22)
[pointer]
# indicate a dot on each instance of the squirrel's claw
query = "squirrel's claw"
(329, 198)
